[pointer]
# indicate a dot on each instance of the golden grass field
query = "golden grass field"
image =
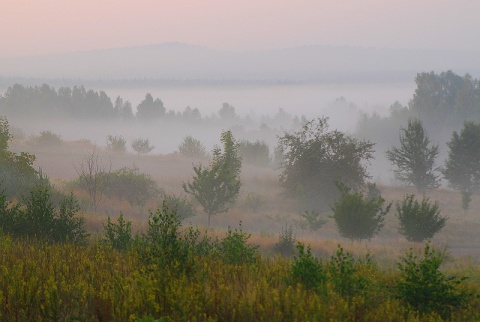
(460, 236)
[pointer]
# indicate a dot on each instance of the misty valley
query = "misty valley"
(270, 202)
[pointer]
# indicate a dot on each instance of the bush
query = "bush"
(234, 248)
(425, 288)
(131, 185)
(46, 139)
(17, 174)
(118, 235)
(142, 146)
(39, 218)
(344, 271)
(116, 144)
(256, 153)
(307, 269)
(166, 245)
(192, 148)
(183, 207)
(358, 217)
(419, 221)
(286, 243)
(313, 220)
(253, 202)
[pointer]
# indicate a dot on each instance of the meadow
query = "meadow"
(339, 280)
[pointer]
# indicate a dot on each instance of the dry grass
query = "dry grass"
(265, 220)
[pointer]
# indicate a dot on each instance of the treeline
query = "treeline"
(443, 102)
(78, 103)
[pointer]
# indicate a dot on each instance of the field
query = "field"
(67, 282)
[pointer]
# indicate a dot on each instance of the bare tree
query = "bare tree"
(93, 177)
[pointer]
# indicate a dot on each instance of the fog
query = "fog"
(342, 103)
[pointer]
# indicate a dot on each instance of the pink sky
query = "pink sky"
(30, 27)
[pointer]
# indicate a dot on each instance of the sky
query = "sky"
(34, 27)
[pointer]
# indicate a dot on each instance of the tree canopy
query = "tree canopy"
(316, 158)
(217, 187)
(462, 167)
(415, 157)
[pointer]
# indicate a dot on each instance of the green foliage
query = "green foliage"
(166, 245)
(217, 187)
(45, 139)
(5, 136)
(419, 221)
(253, 202)
(17, 174)
(39, 218)
(183, 207)
(462, 167)
(116, 144)
(286, 242)
(316, 158)
(307, 269)
(234, 248)
(425, 288)
(256, 153)
(192, 148)
(344, 273)
(415, 158)
(131, 185)
(358, 217)
(142, 146)
(313, 219)
(93, 177)
(119, 234)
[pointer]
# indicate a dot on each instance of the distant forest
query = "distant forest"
(78, 103)
(442, 101)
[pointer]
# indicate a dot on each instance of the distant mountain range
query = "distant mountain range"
(177, 62)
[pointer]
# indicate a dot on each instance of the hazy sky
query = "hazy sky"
(30, 27)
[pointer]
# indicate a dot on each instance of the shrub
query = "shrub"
(39, 218)
(344, 271)
(307, 269)
(358, 217)
(46, 139)
(131, 185)
(313, 220)
(253, 202)
(419, 221)
(256, 153)
(183, 207)
(425, 288)
(192, 148)
(142, 146)
(234, 248)
(166, 245)
(116, 144)
(119, 234)
(286, 243)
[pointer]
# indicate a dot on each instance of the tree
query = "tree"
(93, 177)
(142, 146)
(419, 221)
(415, 158)
(149, 109)
(17, 174)
(462, 168)
(314, 159)
(358, 217)
(116, 144)
(192, 148)
(216, 187)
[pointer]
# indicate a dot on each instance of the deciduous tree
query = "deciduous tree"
(415, 158)
(216, 187)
